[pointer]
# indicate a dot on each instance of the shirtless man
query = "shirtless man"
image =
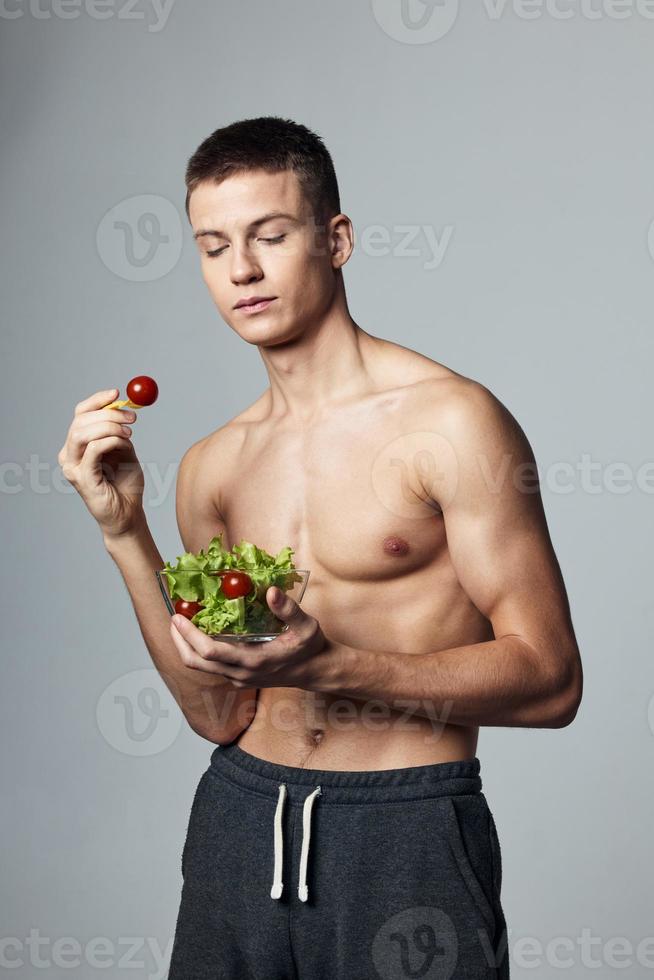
(435, 605)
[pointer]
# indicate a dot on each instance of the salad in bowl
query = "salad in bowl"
(223, 592)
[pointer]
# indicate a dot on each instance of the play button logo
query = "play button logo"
(415, 21)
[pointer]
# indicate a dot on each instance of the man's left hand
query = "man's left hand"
(298, 657)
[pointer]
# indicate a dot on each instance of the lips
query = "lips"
(253, 301)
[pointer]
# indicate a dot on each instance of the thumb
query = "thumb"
(282, 605)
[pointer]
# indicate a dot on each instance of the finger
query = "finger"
(96, 449)
(204, 645)
(107, 414)
(191, 658)
(96, 400)
(81, 436)
(284, 607)
(66, 453)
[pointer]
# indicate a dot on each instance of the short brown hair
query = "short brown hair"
(273, 144)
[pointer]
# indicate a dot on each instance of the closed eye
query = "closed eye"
(270, 241)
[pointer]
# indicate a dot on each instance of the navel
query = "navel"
(394, 545)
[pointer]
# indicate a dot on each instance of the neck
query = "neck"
(328, 364)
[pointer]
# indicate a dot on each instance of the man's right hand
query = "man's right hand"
(98, 459)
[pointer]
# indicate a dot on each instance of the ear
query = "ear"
(340, 238)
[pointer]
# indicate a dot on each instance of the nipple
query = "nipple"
(394, 545)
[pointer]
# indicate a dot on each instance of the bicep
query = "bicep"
(497, 532)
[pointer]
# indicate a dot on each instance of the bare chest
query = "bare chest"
(345, 495)
(350, 497)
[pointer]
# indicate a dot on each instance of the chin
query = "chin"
(260, 335)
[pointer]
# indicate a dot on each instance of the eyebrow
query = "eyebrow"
(253, 224)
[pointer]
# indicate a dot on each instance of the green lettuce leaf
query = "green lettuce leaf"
(193, 577)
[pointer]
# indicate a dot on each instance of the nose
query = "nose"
(244, 269)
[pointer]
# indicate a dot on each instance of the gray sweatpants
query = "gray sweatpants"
(314, 874)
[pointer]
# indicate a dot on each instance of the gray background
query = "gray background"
(531, 140)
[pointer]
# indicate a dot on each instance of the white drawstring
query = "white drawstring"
(302, 890)
(278, 884)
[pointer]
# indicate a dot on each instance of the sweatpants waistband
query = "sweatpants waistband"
(460, 777)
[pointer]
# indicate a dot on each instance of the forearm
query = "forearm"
(213, 707)
(500, 682)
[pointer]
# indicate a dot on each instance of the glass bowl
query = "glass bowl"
(296, 591)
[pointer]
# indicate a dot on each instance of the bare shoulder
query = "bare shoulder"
(438, 387)
(227, 439)
(474, 415)
(402, 366)
(207, 465)
(465, 411)
(481, 450)
(487, 452)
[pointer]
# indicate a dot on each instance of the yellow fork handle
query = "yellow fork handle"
(126, 403)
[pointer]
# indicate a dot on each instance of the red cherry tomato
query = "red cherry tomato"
(142, 390)
(235, 584)
(187, 608)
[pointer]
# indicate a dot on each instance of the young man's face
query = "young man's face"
(286, 258)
